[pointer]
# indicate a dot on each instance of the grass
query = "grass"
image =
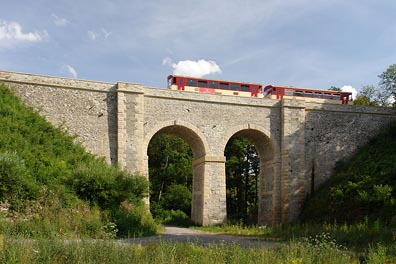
(238, 230)
(301, 248)
(108, 251)
(357, 237)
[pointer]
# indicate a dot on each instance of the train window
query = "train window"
(191, 83)
(213, 85)
(327, 95)
(288, 92)
(202, 83)
(224, 86)
(318, 95)
(245, 88)
(337, 96)
(308, 94)
(298, 93)
(234, 87)
(180, 82)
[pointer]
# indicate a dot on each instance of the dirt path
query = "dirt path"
(185, 235)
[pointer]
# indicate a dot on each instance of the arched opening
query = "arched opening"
(242, 172)
(171, 152)
(250, 177)
(170, 175)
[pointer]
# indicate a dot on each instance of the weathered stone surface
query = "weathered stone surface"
(298, 142)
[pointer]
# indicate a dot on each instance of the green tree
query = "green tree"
(388, 81)
(177, 197)
(334, 88)
(242, 172)
(170, 172)
(368, 96)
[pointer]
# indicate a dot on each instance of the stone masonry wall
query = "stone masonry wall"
(85, 108)
(298, 142)
(333, 133)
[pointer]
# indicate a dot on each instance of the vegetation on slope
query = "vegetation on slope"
(50, 186)
(364, 187)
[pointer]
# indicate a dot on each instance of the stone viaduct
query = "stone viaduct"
(298, 142)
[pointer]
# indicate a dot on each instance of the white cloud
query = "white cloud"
(106, 33)
(71, 71)
(11, 34)
(167, 61)
(349, 88)
(103, 33)
(92, 35)
(193, 68)
(60, 21)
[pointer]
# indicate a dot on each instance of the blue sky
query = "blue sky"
(297, 42)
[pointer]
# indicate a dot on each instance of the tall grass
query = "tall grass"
(358, 236)
(58, 251)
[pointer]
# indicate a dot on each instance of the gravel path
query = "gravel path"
(186, 235)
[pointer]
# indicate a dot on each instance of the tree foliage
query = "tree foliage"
(369, 96)
(335, 88)
(242, 170)
(382, 96)
(170, 172)
(388, 80)
(170, 163)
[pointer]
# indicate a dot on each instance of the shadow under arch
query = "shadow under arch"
(268, 182)
(199, 147)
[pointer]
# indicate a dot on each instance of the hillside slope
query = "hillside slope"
(363, 187)
(58, 188)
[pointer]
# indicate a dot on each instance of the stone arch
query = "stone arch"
(269, 180)
(200, 148)
(255, 133)
(191, 134)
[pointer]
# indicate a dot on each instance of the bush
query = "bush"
(133, 219)
(16, 182)
(49, 217)
(169, 217)
(175, 206)
(106, 186)
(177, 197)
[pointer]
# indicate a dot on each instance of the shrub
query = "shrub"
(133, 219)
(106, 186)
(16, 182)
(169, 217)
(177, 197)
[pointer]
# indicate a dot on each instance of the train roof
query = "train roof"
(211, 80)
(305, 89)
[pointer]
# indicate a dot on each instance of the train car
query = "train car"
(289, 92)
(193, 84)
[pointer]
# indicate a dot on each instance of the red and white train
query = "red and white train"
(193, 84)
